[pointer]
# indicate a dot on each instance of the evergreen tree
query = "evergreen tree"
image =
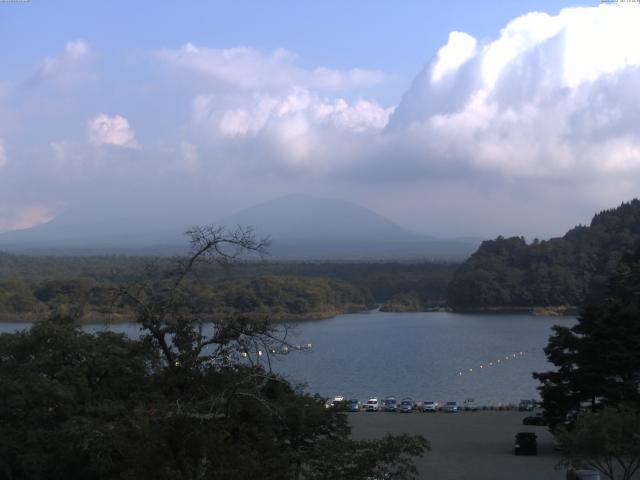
(598, 359)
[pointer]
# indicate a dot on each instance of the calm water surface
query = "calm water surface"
(420, 355)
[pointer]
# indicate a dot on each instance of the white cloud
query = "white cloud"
(106, 130)
(262, 111)
(61, 67)
(26, 216)
(248, 68)
(300, 128)
(271, 110)
(551, 96)
(189, 156)
(460, 48)
(3, 154)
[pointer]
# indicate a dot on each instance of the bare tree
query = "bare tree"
(173, 323)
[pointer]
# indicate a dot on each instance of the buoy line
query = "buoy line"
(493, 363)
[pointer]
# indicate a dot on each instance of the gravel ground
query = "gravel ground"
(467, 445)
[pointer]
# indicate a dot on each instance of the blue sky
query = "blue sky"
(398, 38)
(515, 123)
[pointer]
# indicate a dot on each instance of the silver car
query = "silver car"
(451, 407)
(429, 406)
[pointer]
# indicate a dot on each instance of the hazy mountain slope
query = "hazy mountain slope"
(301, 227)
(99, 229)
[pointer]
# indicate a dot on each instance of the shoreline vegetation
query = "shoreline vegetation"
(33, 288)
(90, 318)
(274, 292)
(120, 318)
(270, 298)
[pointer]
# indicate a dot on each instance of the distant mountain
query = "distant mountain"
(508, 272)
(301, 227)
(307, 227)
(304, 217)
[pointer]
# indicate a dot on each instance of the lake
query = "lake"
(427, 356)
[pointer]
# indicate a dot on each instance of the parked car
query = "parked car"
(451, 407)
(390, 404)
(373, 405)
(470, 405)
(537, 419)
(526, 406)
(526, 443)
(429, 406)
(336, 401)
(353, 405)
(407, 405)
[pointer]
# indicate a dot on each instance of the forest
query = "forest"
(31, 286)
(571, 270)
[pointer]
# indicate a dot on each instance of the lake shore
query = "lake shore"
(542, 311)
(119, 318)
(466, 445)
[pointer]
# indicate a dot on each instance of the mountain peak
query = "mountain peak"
(302, 216)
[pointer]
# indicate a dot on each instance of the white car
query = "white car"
(332, 403)
(373, 404)
(430, 406)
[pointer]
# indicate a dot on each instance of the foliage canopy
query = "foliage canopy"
(176, 403)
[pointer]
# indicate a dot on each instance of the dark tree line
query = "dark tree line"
(31, 286)
(277, 297)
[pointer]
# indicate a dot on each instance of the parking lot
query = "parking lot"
(467, 445)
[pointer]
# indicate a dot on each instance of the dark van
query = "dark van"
(526, 443)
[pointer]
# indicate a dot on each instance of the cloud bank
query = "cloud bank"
(248, 68)
(552, 96)
(544, 112)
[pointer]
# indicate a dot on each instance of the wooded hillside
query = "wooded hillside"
(509, 272)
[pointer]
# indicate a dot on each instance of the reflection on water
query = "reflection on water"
(427, 356)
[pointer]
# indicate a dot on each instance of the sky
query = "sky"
(457, 118)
